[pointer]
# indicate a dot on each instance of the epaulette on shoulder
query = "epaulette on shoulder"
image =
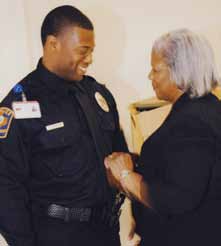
(95, 83)
(27, 80)
(7, 100)
(11, 96)
(93, 80)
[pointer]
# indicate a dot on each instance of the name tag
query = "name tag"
(26, 110)
(55, 126)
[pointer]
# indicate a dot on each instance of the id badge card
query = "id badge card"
(26, 109)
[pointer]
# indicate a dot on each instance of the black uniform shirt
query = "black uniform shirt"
(62, 165)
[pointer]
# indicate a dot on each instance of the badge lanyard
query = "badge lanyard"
(25, 109)
(18, 89)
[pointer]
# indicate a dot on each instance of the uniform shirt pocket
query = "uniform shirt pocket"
(55, 148)
(107, 121)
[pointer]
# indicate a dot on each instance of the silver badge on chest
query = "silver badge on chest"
(101, 102)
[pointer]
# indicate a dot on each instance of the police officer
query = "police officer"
(56, 127)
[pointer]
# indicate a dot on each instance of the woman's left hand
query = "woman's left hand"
(117, 162)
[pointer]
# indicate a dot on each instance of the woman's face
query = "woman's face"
(160, 77)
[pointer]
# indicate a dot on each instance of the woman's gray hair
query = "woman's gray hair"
(191, 61)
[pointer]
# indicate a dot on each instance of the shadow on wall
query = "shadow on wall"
(109, 56)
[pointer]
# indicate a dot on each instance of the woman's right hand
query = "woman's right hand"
(118, 162)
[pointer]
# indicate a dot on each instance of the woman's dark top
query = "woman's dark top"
(181, 163)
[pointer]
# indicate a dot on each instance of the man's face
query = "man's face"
(73, 55)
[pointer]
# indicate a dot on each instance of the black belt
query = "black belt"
(102, 215)
(68, 214)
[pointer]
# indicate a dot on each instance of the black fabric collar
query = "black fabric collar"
(181, 100)
(185, 98)
(56, 83)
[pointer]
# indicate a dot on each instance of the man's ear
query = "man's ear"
(52, 43)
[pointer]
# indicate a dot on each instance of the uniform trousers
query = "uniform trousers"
(56, 232)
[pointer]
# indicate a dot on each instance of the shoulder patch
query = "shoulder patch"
(6, 116)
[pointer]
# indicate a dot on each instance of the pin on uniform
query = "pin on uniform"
(20, 110)
(101, 101)
(25, 109)
(29, 109)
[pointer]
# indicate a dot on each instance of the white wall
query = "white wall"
(125, 31)
(15, 58)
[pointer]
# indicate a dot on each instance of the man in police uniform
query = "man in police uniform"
(56, 127)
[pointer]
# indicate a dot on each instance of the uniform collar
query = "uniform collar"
(56, 83)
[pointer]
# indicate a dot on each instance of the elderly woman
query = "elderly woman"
(176, 191)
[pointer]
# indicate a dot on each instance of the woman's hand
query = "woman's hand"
(112, 181)
(121, 167)
(117, 162)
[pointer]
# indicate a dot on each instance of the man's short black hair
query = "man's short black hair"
(61, 17)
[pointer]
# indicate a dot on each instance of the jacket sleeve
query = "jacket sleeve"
(15, 223)
(188, 158)
(119, 142)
